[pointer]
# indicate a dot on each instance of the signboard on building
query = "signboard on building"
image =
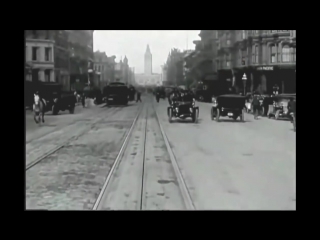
(265, 68)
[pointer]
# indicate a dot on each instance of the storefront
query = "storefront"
(266, 77)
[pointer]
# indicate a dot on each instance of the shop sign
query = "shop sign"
(265, 68)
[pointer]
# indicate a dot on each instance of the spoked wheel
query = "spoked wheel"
(54, 110)
(170, 112)
(242, 116)
(195, 116)
(277, 114)
(212, 114)
(217, 114)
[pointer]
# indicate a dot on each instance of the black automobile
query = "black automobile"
(116, 93)
(182, 106)
(229, 105)
(279, 108)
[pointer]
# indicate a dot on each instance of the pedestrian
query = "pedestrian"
(291, 107)
(256, 105)
(138, 96)
(83, 100)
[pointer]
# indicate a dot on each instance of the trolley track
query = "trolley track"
(72, 177)
(99, 118)
(141, 178)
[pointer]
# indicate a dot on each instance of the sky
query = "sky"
(133, 44)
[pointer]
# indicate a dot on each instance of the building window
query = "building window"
(46, 34)
(35, 53)
(285, 53)
(273, 53)
(243, 34)
(47, 75)
(34, 34)
(279, 52)
(257, 53)
(228, 60)
(47, 54)
(294, 54)
(256, 32)
(253, 54)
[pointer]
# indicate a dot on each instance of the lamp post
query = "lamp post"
(244, 79)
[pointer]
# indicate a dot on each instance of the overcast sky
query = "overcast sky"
(133, 44)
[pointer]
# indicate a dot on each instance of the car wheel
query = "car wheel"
(212, 114)
(54, 110)
(217, 114)
(170, 115)
(242, 116)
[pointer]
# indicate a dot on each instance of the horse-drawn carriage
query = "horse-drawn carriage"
(229, 105)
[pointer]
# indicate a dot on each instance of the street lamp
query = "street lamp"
(244, 79)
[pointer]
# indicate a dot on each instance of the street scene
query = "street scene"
(209, 128)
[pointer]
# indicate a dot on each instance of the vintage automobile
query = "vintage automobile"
(229, 105)
(116, 93)
(183, 107)
(279, 108)
(64, 101)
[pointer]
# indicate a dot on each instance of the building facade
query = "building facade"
(105, 66)
(80, 44)
(267, 57)
(61, 58)
(39, 53)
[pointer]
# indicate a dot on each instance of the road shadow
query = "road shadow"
(232, 121)
(116, 106)
(186, 121)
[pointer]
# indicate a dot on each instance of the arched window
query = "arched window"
(273, 53)
(285, 53)
(257, 53)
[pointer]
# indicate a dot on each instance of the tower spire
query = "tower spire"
(148, 49)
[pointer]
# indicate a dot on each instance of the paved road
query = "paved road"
(145, 178)
(72, 177)
(234, 165)
(53, 122)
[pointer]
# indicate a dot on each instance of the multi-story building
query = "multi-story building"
(105, 66)
(39, 52)
(61, 58)
(81, 57)
(267, 57)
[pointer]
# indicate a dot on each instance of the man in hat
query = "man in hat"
(256, 107)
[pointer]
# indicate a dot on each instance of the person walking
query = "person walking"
(138, 96)
(255, 105)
